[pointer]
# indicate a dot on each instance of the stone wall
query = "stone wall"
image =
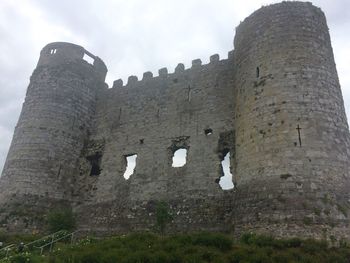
(275, 104)
(152, 118)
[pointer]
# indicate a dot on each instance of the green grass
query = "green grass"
(190, 248)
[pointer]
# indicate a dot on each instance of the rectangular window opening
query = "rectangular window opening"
(88, 59)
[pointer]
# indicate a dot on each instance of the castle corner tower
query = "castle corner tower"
(292, 137)
(49, 136)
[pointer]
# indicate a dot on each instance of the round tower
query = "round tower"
(54, 122)
(292, 137)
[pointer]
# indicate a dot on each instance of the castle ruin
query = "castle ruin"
(274, 104)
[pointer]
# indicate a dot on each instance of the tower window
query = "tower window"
(88, 59)
(257, 72)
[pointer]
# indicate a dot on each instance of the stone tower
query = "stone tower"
(54, 122)
(274, 104)
(292, 138)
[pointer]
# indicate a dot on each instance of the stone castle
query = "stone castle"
(274, 104)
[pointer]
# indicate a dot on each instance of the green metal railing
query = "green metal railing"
(42, 244)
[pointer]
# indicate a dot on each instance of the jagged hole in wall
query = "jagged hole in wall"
(226, 180)
(88, 59)
(179, 157)
(130, 165)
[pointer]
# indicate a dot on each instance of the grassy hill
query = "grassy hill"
(189, 248)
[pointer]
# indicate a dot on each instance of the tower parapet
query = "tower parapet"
(57, 53)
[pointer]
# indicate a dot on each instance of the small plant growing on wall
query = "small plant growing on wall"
(163, 215)
(62, 219)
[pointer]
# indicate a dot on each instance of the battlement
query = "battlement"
(180, 69)
(58, 53)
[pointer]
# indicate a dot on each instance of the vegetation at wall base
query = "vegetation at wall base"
(189, 248)
(62, 219)
(163, 215)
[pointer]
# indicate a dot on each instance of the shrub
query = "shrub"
(163, 215)
(61, 220)
(218, 241)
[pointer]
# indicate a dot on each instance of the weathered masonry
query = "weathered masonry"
(274, 106)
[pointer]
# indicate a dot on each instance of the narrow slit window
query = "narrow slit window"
(189, 91)
(179, 157)
(130, 165)
(257, 72)
(226, 180)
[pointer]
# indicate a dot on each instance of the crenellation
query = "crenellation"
(180, 68)
(196, 63)
(132, 80)
(214, 58)
(274, 107)
(163, 72)
(147, 75)
(117, 83)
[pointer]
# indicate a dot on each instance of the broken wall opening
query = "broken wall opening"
(179, 158)
(225, 181)
(178, 151)
(225, 152)
(130, 165)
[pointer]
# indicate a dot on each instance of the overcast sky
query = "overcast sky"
(132, 36)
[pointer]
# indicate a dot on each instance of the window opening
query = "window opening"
(299, 134)
(189, 93)
(95, 161)
(88, 59)
(226, 178)
(130, 165)
(179, 157)
(257, 72)
(208, 132)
